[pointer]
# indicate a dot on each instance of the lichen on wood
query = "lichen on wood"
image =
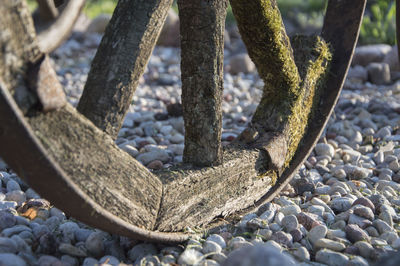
(291, 76)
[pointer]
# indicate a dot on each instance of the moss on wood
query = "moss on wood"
(291, 76)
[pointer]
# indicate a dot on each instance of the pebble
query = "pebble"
(141, 250)
(365, 202)
(354, 233)
(301, 253)
(10, 259)
(211, 247)
(260, 254)
(341, 204)
(72, 250)
(324, 149)
(290, 210)
(316, 233)
(329, 244)
(190, 257)
(290, 223)
(331, 258)
(94, 244)
(217, 239)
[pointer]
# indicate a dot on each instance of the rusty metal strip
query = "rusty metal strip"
(26, 156)
(341, 29)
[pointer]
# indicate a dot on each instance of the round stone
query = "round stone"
(317, 232)
(329, 244)
(259, 254)
(324, 149)
(290, 223)
(211, 247)
(354, 233)
(190, 257)
(94, 244)
(217, 239)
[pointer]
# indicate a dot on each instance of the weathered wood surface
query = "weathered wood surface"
(120, 61)
(291, 81)
(202, 25)
(18, 49)
(195, 197)
(108, 175)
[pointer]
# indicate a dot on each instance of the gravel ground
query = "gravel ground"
(342, 208)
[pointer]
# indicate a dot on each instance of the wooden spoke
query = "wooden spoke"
(202, 26)
(56, 27)
(47, 10)
(120, 61)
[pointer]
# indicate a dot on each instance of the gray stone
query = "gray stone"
(12, 185)
(257, 255)
(329, 244)
(15, 230)
(365, 248)
(148, 157)
(211, 247)
(47, 260)
(355, 172)
(69, 260)
(99, 23)
(94, 244)
(290, 210)
(290, 223)
(111, 260)
(316, 233)
(364, 55)
(365, 202)
(190, 257)
(308, 220)
(219, 257)
(341, 204)
(169, 259)
(141, 250)
(301, 253)
(71, 250)
(217, 239)
(282, 238)
(363, 211)
(354, 233)
(331, 258)
(132, 151)
(17, 196)
(358, 74)
(10, 259)
(382, 226)
(357, 261)
(379, 73)
(324, 149)
(372, 231)
(6, 220)
(241, 63)
(82, 234)
(360, 221)
(7, 245)
(68, 230)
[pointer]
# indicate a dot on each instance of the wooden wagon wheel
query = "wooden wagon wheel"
(73, 161)
(54, 20)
